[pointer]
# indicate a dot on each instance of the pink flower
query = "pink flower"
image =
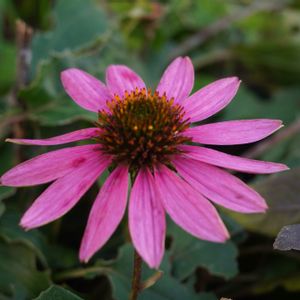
(147, 136)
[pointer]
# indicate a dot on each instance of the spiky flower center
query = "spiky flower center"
(142, 129)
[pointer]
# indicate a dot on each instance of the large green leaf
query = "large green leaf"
(188, 253)
(281, 192)
(57, 293)
(77, 24)
(63, 111)
(281, 271)
(7, 161)
(8, 65)
(18, 272)
(2, 209)
(284, 105)
(12, 232)
(271, 61)
(46, 100)
(167, 287)
(201, 13)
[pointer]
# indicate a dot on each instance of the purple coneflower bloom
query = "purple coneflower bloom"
(147, 136)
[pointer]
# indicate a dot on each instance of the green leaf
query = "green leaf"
(290, 283)
(188, 253)
(77, 24)
(6, 192)
(63, 111)
(7, 161)
(57, 293)
(2, 209)
(245, 105)
(12, 232)
(281, 192)
(202, 13)
(46, 100)
(271, 61)
(283, 105)
(8, 65)
(60, 257)
(18, 271)
(167, 287)
(287, 151)
(282, 271)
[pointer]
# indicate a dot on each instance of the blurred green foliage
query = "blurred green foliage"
(257, 40)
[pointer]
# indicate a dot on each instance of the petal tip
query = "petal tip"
(282, 168)
(66, 76)
(9, 140)
(261, 208)
(25, 225)
(235, 82)
(220, 237)
(85, 253)
(15, 141)
(65, 73)
(238, 82)
(278, 167)
(154, 266)
(27, 222)
(178, 58)
(278, 124)
(234, 79)
(187, 59)
(153, 263)
(226, 236)
(84, 258)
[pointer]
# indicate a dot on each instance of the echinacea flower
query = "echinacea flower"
(148, 137)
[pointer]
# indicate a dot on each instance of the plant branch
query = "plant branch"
(224, 23)
(271, 142)
(79, 273)
(23, 41)
(136, 277)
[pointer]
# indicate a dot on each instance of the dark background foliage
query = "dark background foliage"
(257, 40)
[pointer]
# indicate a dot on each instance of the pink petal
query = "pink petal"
(220, 186)
(210, 99)
(147, 221)
(74, 136)
(233, 132)
(64, 193)
(178, 79)
(228, 161)
(87, 91)
(50, 166)
(120, 78)
(188, 208)
(106, 214)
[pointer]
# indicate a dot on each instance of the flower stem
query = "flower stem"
(136, 277)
